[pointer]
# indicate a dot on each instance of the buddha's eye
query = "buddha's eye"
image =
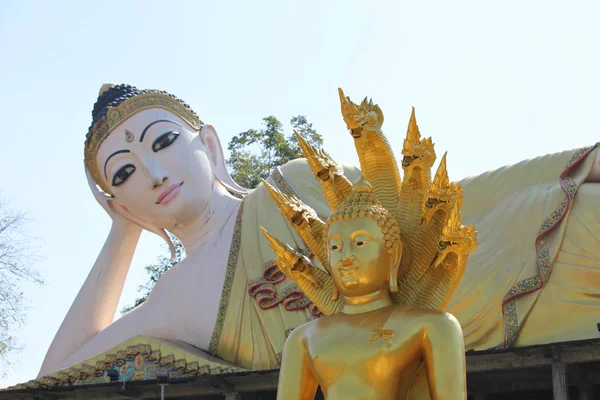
(164, 140)
(123, 174)
(361, 241)
(334, 247)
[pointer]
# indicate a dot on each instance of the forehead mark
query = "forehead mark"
(111, 156)
(156, 122)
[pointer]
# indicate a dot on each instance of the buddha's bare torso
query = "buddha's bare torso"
(373, 355)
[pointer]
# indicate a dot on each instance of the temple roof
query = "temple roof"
(141, 358)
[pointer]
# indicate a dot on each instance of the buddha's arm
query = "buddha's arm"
(296, 378)
(444, 357)
(95, 305)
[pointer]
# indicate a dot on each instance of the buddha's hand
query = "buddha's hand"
(106, 202)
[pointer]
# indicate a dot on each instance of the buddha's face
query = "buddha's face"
(157, 168)
(359, 261)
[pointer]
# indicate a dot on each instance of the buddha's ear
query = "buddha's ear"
(124, 213)
(215, 154)
(396, 258)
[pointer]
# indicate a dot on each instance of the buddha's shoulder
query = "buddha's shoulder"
(424, 316)
(302, 331)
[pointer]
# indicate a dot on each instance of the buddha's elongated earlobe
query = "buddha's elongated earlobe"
(215, 152)
(124, 213)
(396, 258)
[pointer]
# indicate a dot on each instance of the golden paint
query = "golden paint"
(395, 250)
(387, 335)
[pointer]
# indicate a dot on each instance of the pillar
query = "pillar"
(559, 381)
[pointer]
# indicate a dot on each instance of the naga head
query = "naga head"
(320, 162)
(291, 207)
(366, 116)
(417, 152)
(442, 195)
(456, 238)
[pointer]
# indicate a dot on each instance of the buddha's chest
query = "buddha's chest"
(360, 350)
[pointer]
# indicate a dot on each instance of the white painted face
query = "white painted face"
(157, 168)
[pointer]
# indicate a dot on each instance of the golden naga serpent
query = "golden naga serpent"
(435, 244)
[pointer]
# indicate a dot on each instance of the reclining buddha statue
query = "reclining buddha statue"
(153, 164)
(392, 253)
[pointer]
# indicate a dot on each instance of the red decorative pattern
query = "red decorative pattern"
(315, 312)
(291, 297)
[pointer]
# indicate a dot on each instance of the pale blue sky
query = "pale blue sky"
(493, 82)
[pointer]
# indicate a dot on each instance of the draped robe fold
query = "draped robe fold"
(535, 276)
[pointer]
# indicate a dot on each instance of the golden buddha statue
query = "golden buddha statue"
(393, 251)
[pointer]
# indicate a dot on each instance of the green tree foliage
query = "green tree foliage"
(253, 154)
(163, 264)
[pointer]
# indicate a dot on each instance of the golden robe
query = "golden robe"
(535, 276)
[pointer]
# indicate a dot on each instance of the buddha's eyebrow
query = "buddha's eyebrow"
(156, 122)
(360, 232)
(112, 155)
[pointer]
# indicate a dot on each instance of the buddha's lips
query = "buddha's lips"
(165, 195)
(347, 269)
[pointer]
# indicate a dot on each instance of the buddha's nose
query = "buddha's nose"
(157, 175)
(347, 258)
(158, 182)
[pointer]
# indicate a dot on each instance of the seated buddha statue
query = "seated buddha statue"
(391, 254)
(538, 256)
